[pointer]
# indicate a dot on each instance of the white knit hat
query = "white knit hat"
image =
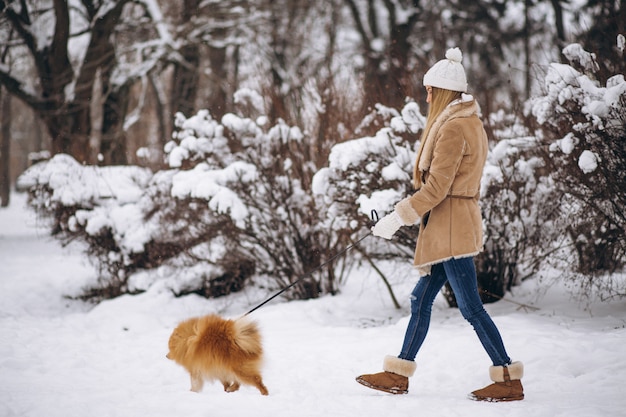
(448, 73)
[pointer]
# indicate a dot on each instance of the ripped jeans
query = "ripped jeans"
(461, 274)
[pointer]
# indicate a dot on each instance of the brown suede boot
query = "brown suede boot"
(394, 379)
(507, 384)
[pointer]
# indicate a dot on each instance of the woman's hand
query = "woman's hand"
(387, 226)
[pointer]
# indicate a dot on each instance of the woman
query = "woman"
(447, 175)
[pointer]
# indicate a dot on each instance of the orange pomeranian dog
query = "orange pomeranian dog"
(212, 348)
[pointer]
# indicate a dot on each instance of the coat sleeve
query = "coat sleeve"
(447, 156)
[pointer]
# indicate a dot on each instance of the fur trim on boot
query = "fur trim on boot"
(516, 371)
(394, 379)
(399, 366)
(507, 384)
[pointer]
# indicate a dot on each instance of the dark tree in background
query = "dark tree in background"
(65, 91)
(5, 139)
(386, 49)
(185, 76)
(608, 21)
(5, 147)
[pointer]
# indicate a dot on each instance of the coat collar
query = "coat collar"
(466, 106)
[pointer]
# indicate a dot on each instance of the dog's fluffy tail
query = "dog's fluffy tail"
(248, 337)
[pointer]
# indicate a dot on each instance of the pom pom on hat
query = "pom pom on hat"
(448, 73)
(454, 54)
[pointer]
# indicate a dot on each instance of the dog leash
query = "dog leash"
(374, 216)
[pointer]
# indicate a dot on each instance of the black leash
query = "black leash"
(374, 220)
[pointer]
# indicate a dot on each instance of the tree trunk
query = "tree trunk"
(5, 147)
(68, 116)
(527, 35)
(165, 126)
(391, 83)
(400, 84)
(219, 77)
(185, 81)
(185, 77)
(113, 139)
(558, 21)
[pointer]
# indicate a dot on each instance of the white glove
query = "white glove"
(387, 226)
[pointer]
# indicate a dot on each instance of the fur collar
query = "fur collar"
(464, 107)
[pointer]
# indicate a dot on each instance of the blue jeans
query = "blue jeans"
(461, 274)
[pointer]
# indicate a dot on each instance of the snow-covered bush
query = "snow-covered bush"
(274, 221)
(372, 173)
(234, 201)
(582, 132)
(97, 205)
(520, 208)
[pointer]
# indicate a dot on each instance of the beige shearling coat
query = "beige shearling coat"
(451, 161)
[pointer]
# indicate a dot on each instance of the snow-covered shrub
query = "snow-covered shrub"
(256, 190)
(582, 130)
(369, 173)
(235, 201)
(96, 205)
(372, 173)
(197, 139)
(279, 227)
(521, 210)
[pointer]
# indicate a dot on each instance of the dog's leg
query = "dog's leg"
(258, 382)
(197, 382)
(254, 380)
(230, 386)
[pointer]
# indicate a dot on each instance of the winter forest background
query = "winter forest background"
(210, 145)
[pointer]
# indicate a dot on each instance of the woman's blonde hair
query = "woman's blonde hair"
(439, 101)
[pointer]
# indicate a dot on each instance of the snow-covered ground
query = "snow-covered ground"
(65, 358)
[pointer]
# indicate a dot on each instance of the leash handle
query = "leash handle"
(374, 215)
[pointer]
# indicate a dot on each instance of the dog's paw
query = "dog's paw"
(231, 387)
